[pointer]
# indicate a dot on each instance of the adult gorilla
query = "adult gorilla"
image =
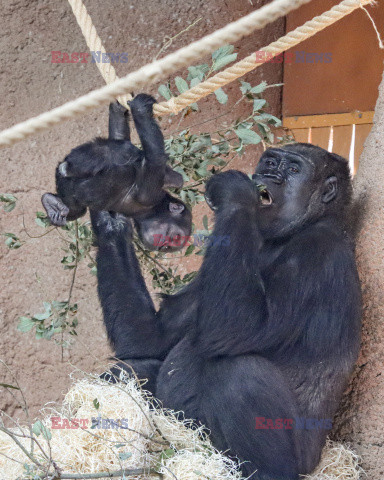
(270, 326)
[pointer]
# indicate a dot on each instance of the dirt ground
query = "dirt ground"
(30, 84)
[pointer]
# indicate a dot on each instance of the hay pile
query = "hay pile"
(155, 440)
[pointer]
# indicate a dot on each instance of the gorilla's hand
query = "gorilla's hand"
(142, 104)
(230, 189)
(109, 226)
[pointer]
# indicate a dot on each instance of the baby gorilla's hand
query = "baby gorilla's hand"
(109, 226)
(230, 189)
(142, 104)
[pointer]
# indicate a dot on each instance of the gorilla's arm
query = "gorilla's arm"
(134, 328)
(154, 173)
(129, 313)
(232, 306)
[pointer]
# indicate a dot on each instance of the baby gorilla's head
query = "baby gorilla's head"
(166, 227)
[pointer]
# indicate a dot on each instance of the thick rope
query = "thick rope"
(171, 63)
(94, 43)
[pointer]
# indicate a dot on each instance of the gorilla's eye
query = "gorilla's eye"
(270, 163)
(293, 169)
(176, 207)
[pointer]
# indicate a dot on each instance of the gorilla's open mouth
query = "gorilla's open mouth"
(265, 197)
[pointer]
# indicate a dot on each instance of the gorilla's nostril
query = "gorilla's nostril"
(275, 177)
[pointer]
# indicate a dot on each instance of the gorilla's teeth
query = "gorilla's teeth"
(265, 197)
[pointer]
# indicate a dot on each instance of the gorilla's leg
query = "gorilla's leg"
(118, 127)
(239, 393)
(133, 327)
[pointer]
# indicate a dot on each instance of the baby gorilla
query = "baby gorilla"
(112, 174)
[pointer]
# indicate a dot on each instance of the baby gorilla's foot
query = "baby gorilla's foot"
(117, 108)
(56, 210)
(108, 225)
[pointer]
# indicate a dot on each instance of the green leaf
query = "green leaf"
(182, 172)
(259, 88)
(94, 270)
(9, 242)
(8, 207)
(41, 316)
(9, 201)
(195, 81)
(221, 96)
(248, 136)
(183, 196)
(165, 92)
(191, 196)
(245, 87)
(258, 104)
(222, 52)
(223, 61)
(205, 222)
(7, 197)
(25, 324)
(58, 305)
(165, 454)
(198, 71)
(47, 306)
(189, 250)
(269, 118)
(37, 427)
(96, 403)
(125, 455)
(40, 222)
(6, 385)
(181, 84)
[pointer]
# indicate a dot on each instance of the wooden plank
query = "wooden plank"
(361, 134)
(333, 119)
(350, 80)
(320, 137)
(342, 140)
(300, 134)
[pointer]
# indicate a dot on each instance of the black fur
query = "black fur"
(269, 327)
(112, 174)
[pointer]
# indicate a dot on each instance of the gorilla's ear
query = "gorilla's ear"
(172, 179)
(330, 189)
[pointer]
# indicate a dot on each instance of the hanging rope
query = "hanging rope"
(94, 43)
(184, 57)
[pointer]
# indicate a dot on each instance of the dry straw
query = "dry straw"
(156, 439)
